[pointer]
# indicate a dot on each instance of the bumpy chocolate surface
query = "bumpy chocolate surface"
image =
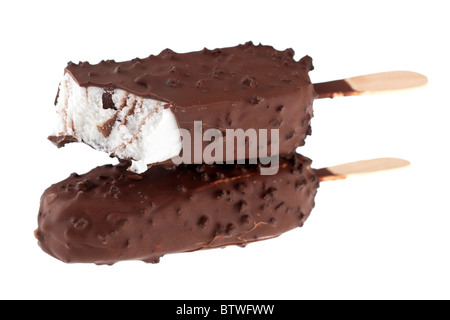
(110, 214)
(242, 87)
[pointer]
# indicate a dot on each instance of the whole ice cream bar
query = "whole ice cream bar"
(134, 110)
(110, 214)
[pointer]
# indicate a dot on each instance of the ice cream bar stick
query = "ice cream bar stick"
(376, 83)
(362, 167)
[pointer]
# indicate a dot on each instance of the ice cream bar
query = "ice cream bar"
(136, 109)
(111, 214)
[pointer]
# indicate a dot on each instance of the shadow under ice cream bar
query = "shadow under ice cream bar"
(110, 214)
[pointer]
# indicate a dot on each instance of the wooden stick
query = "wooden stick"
(344, 171)
(376, 83)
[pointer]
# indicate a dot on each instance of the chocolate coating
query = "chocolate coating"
(110, 214)
(242, 87)
(336, 88)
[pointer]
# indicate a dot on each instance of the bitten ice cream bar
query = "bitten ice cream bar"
(136, 110)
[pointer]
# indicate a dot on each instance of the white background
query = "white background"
(383, 236)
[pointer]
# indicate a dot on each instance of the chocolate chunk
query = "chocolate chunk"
(248, 81)
(107, 100)
(256, 99)
(61, 141)
(106, 128)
